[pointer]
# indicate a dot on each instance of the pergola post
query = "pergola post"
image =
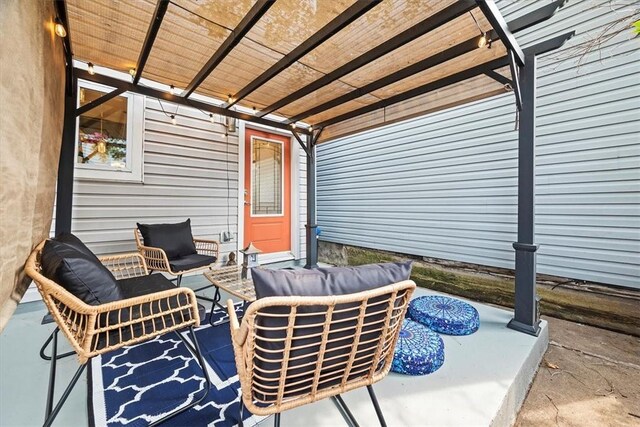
(311, 226)
(64, 190)
(526, 315)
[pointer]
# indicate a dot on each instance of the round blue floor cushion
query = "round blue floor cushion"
(445, 315)
(419, 350)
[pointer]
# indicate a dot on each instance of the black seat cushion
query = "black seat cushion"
(139, 286)
(191, 261)
(79, 272)
(175, 239)
(320, 282)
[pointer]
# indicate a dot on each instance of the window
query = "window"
(267, 177)
(109, 136)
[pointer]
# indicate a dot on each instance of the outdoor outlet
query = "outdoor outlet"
(226, 236)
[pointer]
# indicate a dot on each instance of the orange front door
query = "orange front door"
(267, 191)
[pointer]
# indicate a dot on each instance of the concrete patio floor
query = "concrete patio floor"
(482, 382)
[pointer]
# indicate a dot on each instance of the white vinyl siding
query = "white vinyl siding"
(445, 185)
(190, 171)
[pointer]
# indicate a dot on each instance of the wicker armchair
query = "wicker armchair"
(96, 329)
(157, 260)
(291, 351)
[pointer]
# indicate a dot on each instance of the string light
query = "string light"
(483, 40)
(293, 125)
(59, 29)
(230, 99)
(90, 69)
(173, 120)
(174, 90)
(212, 119)
(132, 73)
(310, 128)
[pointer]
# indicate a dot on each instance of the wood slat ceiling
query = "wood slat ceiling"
(111, 34)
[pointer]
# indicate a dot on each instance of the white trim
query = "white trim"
(240, 234)
(282, 180)
(275, 257)
(135, 141)
(295, 200)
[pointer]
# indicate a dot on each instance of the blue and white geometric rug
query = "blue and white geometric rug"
(137, 385)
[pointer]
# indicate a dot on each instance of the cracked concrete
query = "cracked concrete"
(588, 377)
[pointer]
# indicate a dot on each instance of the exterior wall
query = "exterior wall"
(185, 176)
(445, 185)
(186, 168)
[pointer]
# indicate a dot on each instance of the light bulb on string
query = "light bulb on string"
(173, 120)
(90, 69)
(483, 40)
(59, 29)
(173, 90)
(132, 73)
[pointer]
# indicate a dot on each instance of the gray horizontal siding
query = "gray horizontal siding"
(185, 176)
(445, 185)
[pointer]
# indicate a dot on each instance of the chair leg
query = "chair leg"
(376, 405)
(179, 280)
(44, 356)
(276, 420)
(206, 388)
(51, 415)
(241, 412)
(344, 411)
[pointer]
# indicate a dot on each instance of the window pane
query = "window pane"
(102, 133)
(266, 183)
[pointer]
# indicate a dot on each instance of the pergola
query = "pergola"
(320, 69)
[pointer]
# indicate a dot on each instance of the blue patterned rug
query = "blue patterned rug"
(137, 385)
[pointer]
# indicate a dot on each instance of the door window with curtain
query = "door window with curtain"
(267, 177)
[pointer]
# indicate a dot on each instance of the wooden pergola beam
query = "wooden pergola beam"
(469, 73)
(460, 49)
(423, 27)
(166, 96)
(245, 25)
(354, 12)
(152, 32)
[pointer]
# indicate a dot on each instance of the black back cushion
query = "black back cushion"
(328, 281)
(175, 239)
(320, 282)
(79, 272)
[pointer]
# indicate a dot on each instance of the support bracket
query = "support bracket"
(97, 102)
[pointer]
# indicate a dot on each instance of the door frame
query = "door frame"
(295, 184)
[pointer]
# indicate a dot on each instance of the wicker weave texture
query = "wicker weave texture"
(97, 329)
(291, 351)
(156, 259)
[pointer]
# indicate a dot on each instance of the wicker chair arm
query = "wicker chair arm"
(155, 258)
(207, 247)
(125, 266)
(156, 296)
(238, 332)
